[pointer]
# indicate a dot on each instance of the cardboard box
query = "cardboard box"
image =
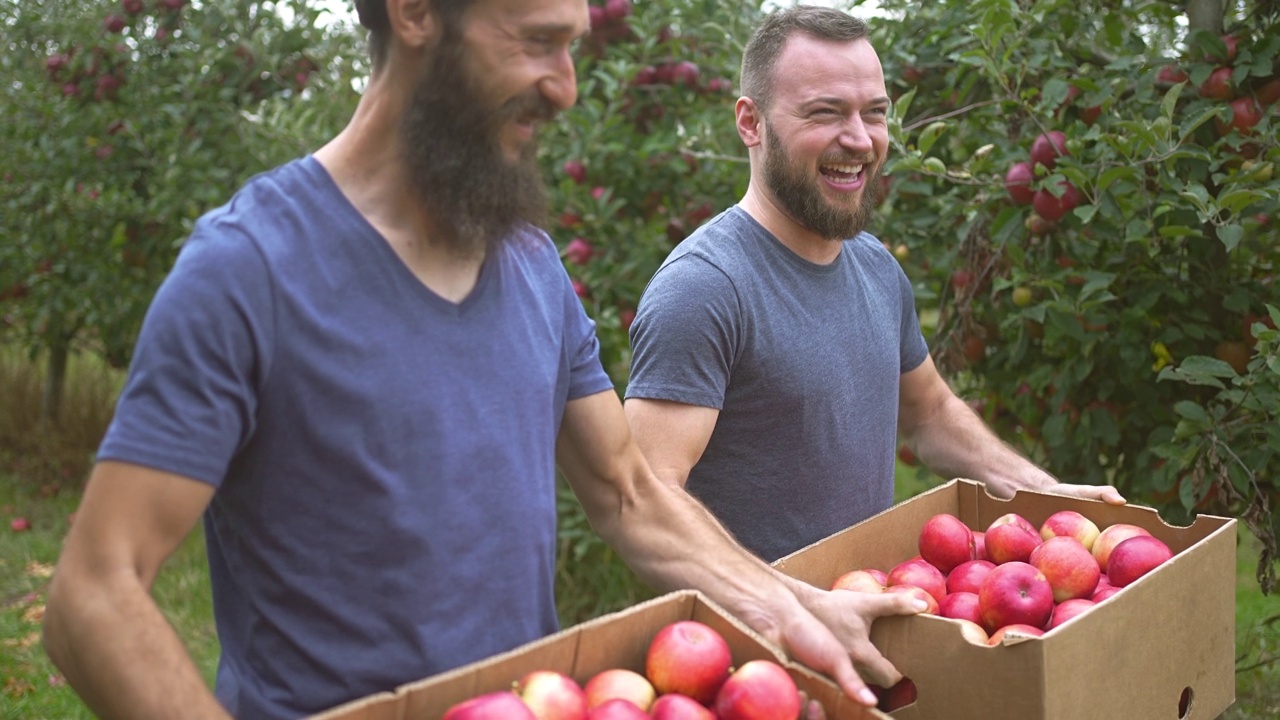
(1170, 633)
(617, 640)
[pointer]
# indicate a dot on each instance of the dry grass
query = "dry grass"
(56, 453)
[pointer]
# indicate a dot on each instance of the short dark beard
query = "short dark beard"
(451, 133)
(803, 200)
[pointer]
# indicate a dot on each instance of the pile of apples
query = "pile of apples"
(689, 675)
(1014, 577)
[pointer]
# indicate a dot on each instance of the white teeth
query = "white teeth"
(849, 169)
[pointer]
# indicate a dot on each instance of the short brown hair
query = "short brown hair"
(373, 15)
(762, 51)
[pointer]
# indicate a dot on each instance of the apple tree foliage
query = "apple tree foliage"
(1124, 335)
(124, 121)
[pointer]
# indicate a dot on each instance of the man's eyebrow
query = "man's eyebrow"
(555, 28)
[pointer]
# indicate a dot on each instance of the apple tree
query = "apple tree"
(1085, 193)
(127, 119)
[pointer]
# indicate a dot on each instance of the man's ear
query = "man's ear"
(414, 23)
(750, 121)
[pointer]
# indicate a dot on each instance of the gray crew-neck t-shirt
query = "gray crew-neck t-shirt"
(803, 362)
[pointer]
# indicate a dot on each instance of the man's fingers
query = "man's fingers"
(874, 667)
(894, 603)
(813, 710)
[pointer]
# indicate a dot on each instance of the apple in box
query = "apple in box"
(997, 637)
(1109, 538)
(552, 695)
(960, 606)
(759, 690)
(967, 577)
(1135, 557)
(945, 542)
(1011, 542)
(920, 574)
(1015, 593)
(617, 709)
(859, 581)
(619, 683)
(1068, 609)
(690, 658)
(502, 705)
(1068, 566)
(674, 706)
(1070, 523)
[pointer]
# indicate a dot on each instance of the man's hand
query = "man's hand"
(1105, 493)
(834, 636)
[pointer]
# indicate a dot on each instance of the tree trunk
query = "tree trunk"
(1206, 15)
(54, 384)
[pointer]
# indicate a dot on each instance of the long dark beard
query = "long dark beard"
(801, 198)
(451, 133)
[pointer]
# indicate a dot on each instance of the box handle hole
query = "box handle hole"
(1185, 703)
(900, 695)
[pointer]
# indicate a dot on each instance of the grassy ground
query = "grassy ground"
(40, 481)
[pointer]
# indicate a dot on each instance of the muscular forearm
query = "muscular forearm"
(126, 661)
(955, 442)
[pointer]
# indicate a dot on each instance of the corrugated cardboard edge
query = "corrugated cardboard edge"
(619, 639)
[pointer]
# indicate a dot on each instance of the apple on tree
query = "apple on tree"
(1047, 148)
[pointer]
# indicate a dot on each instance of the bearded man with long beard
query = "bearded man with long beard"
(776, 353)
(362, 373)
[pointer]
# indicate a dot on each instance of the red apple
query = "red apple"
(619, 683)
(1103, 592)
(19, 524)
(945, 542)
(1068, 609)
(1135, 557)
(1218, 85)
(1048, 147)
(858, 580)
(1015, 519)
(1068, 566)
(616, 9)
(1011, 542)
(1070, 523)
(1232, 44)
(759, 690)
(1053, 208)
(578, 251)
(1089, 115)
(1015, 593)
(968, 576)
(1111, 536)
(920, 574)
(690, 658)
(972, 631)
(997, 637)
(1245, 113)
(503, 705)
(576, 170)
(929, 600)
(552, 695)
(960, 606)
(1268, 92)
(674, 706)
(980, 544)
(1018, 183)
(617, 709)
(1170, 75)
(902, 694)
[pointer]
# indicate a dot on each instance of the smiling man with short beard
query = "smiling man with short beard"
(776, 353)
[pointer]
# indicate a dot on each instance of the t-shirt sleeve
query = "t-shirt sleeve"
(914, 349)
(190, 398)
(685, 335)
(586, 374)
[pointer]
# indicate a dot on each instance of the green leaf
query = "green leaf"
(1230, 235)
(1192, 411)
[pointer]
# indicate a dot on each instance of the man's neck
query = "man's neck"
(764, 209)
